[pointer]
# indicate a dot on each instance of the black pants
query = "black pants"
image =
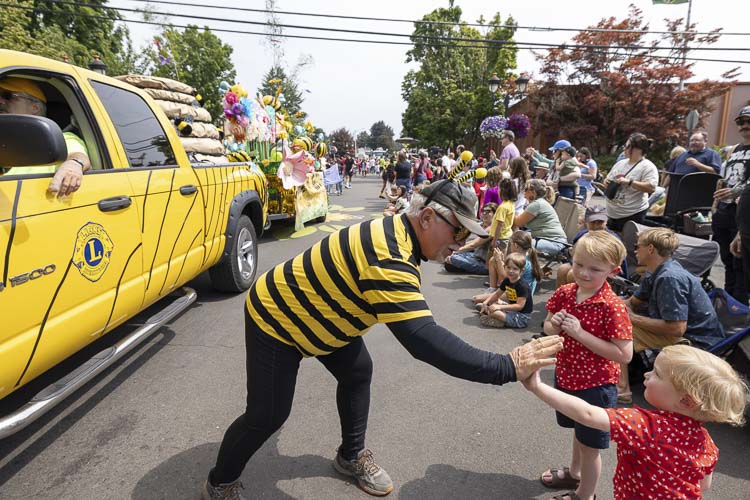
(618, 224)
(724, 229)
(271, 377)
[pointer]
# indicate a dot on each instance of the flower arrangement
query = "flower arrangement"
(519, 124)
(493, 126)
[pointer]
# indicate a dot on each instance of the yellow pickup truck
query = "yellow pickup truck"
(143, 223)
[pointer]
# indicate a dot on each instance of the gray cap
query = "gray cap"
(744, 112)
(595, 212)
(460, 199)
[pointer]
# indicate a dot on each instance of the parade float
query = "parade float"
(258, 129)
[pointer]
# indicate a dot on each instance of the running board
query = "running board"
(54, 393)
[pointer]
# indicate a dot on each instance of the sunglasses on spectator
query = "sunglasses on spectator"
(742, 121)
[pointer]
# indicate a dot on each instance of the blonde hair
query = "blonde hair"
(664, 240)
(676, 151)
(719, 391)
(517, 259)
(601, 245)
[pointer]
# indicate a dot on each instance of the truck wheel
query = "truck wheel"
(237, 271)
(321, 219)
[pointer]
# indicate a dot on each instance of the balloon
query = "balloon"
(298, 130)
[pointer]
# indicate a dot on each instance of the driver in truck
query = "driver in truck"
(24, 97)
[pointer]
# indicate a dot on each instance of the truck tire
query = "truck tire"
(236, 272)
(321, 219)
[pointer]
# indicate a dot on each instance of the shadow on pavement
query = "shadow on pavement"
(182, 475)
(447, 482)
(28, 451)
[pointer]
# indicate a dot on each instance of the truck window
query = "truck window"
(141, 134)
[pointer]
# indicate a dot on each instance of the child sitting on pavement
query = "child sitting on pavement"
(398, 204)
(597, 336)
(663, 453)
(520, 242)
(510, 305)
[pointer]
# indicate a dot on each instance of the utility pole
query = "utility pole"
(685, 42)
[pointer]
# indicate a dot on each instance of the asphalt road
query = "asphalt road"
(150, 427)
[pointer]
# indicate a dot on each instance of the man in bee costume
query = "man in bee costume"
(320, 304)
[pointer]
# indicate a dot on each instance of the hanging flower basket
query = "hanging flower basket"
(493, 126)
(519, 124)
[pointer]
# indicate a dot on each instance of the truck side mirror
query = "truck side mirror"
(27, 140)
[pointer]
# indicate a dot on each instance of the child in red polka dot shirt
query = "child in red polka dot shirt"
(597, 337)
(664, 453)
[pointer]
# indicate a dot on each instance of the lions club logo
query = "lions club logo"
(92, 251)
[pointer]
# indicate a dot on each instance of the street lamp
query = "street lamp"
(522, 83)
(97, 65)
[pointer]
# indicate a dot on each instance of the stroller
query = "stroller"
(696, 255)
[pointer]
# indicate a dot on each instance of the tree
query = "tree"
(381, 136)
(50, 29)
(597, 97)
(196, 57)
(447, 97)
(290, 90)
(342, 140)
(364, 140)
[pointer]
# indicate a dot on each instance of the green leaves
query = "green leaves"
(196, 57)
(447, 97)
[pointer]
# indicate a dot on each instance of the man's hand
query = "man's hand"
(692, 162)
(722, 193)
(534, 355)
(735, 247)
(67, 179)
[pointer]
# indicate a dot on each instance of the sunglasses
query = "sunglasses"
(460, 233)
(742, 121)
(9, 96)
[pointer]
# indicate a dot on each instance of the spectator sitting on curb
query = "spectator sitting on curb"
(677, 306)
(473, 255)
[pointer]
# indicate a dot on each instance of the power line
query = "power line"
(516, 45)
(501, 43)
(411, 21)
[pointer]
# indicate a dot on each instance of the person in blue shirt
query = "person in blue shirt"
(670, 305)
(698, 157)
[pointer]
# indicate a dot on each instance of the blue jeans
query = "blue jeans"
(567, 191)
(469, 262)
(406, 183)
(548, 247)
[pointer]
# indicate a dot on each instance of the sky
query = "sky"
(353, 85)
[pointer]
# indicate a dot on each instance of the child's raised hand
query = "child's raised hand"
(532, 382)
(572, 326)
(558, 318)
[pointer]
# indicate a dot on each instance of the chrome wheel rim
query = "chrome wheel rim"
(246, 253)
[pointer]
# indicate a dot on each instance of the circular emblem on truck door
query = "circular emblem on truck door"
(92, 251)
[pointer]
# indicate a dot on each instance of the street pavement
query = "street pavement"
(150, 427)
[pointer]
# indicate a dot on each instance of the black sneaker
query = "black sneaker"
(227, 491)
(371, 478)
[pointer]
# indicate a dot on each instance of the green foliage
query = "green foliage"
(48, 29)
(381, 136)
(363, 139)
(447, 97)
(292, 95)
(342, 139)
(196, 57)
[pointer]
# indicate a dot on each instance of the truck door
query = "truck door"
(169, 203)
(71, 267)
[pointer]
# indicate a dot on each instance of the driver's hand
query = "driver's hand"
(67, 179)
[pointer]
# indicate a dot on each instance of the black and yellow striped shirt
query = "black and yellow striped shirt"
(336, 290)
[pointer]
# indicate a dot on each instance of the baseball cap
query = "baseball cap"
(743, 113)
(595, 212)
(561, 144)
(459, 199)
(23, 86)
